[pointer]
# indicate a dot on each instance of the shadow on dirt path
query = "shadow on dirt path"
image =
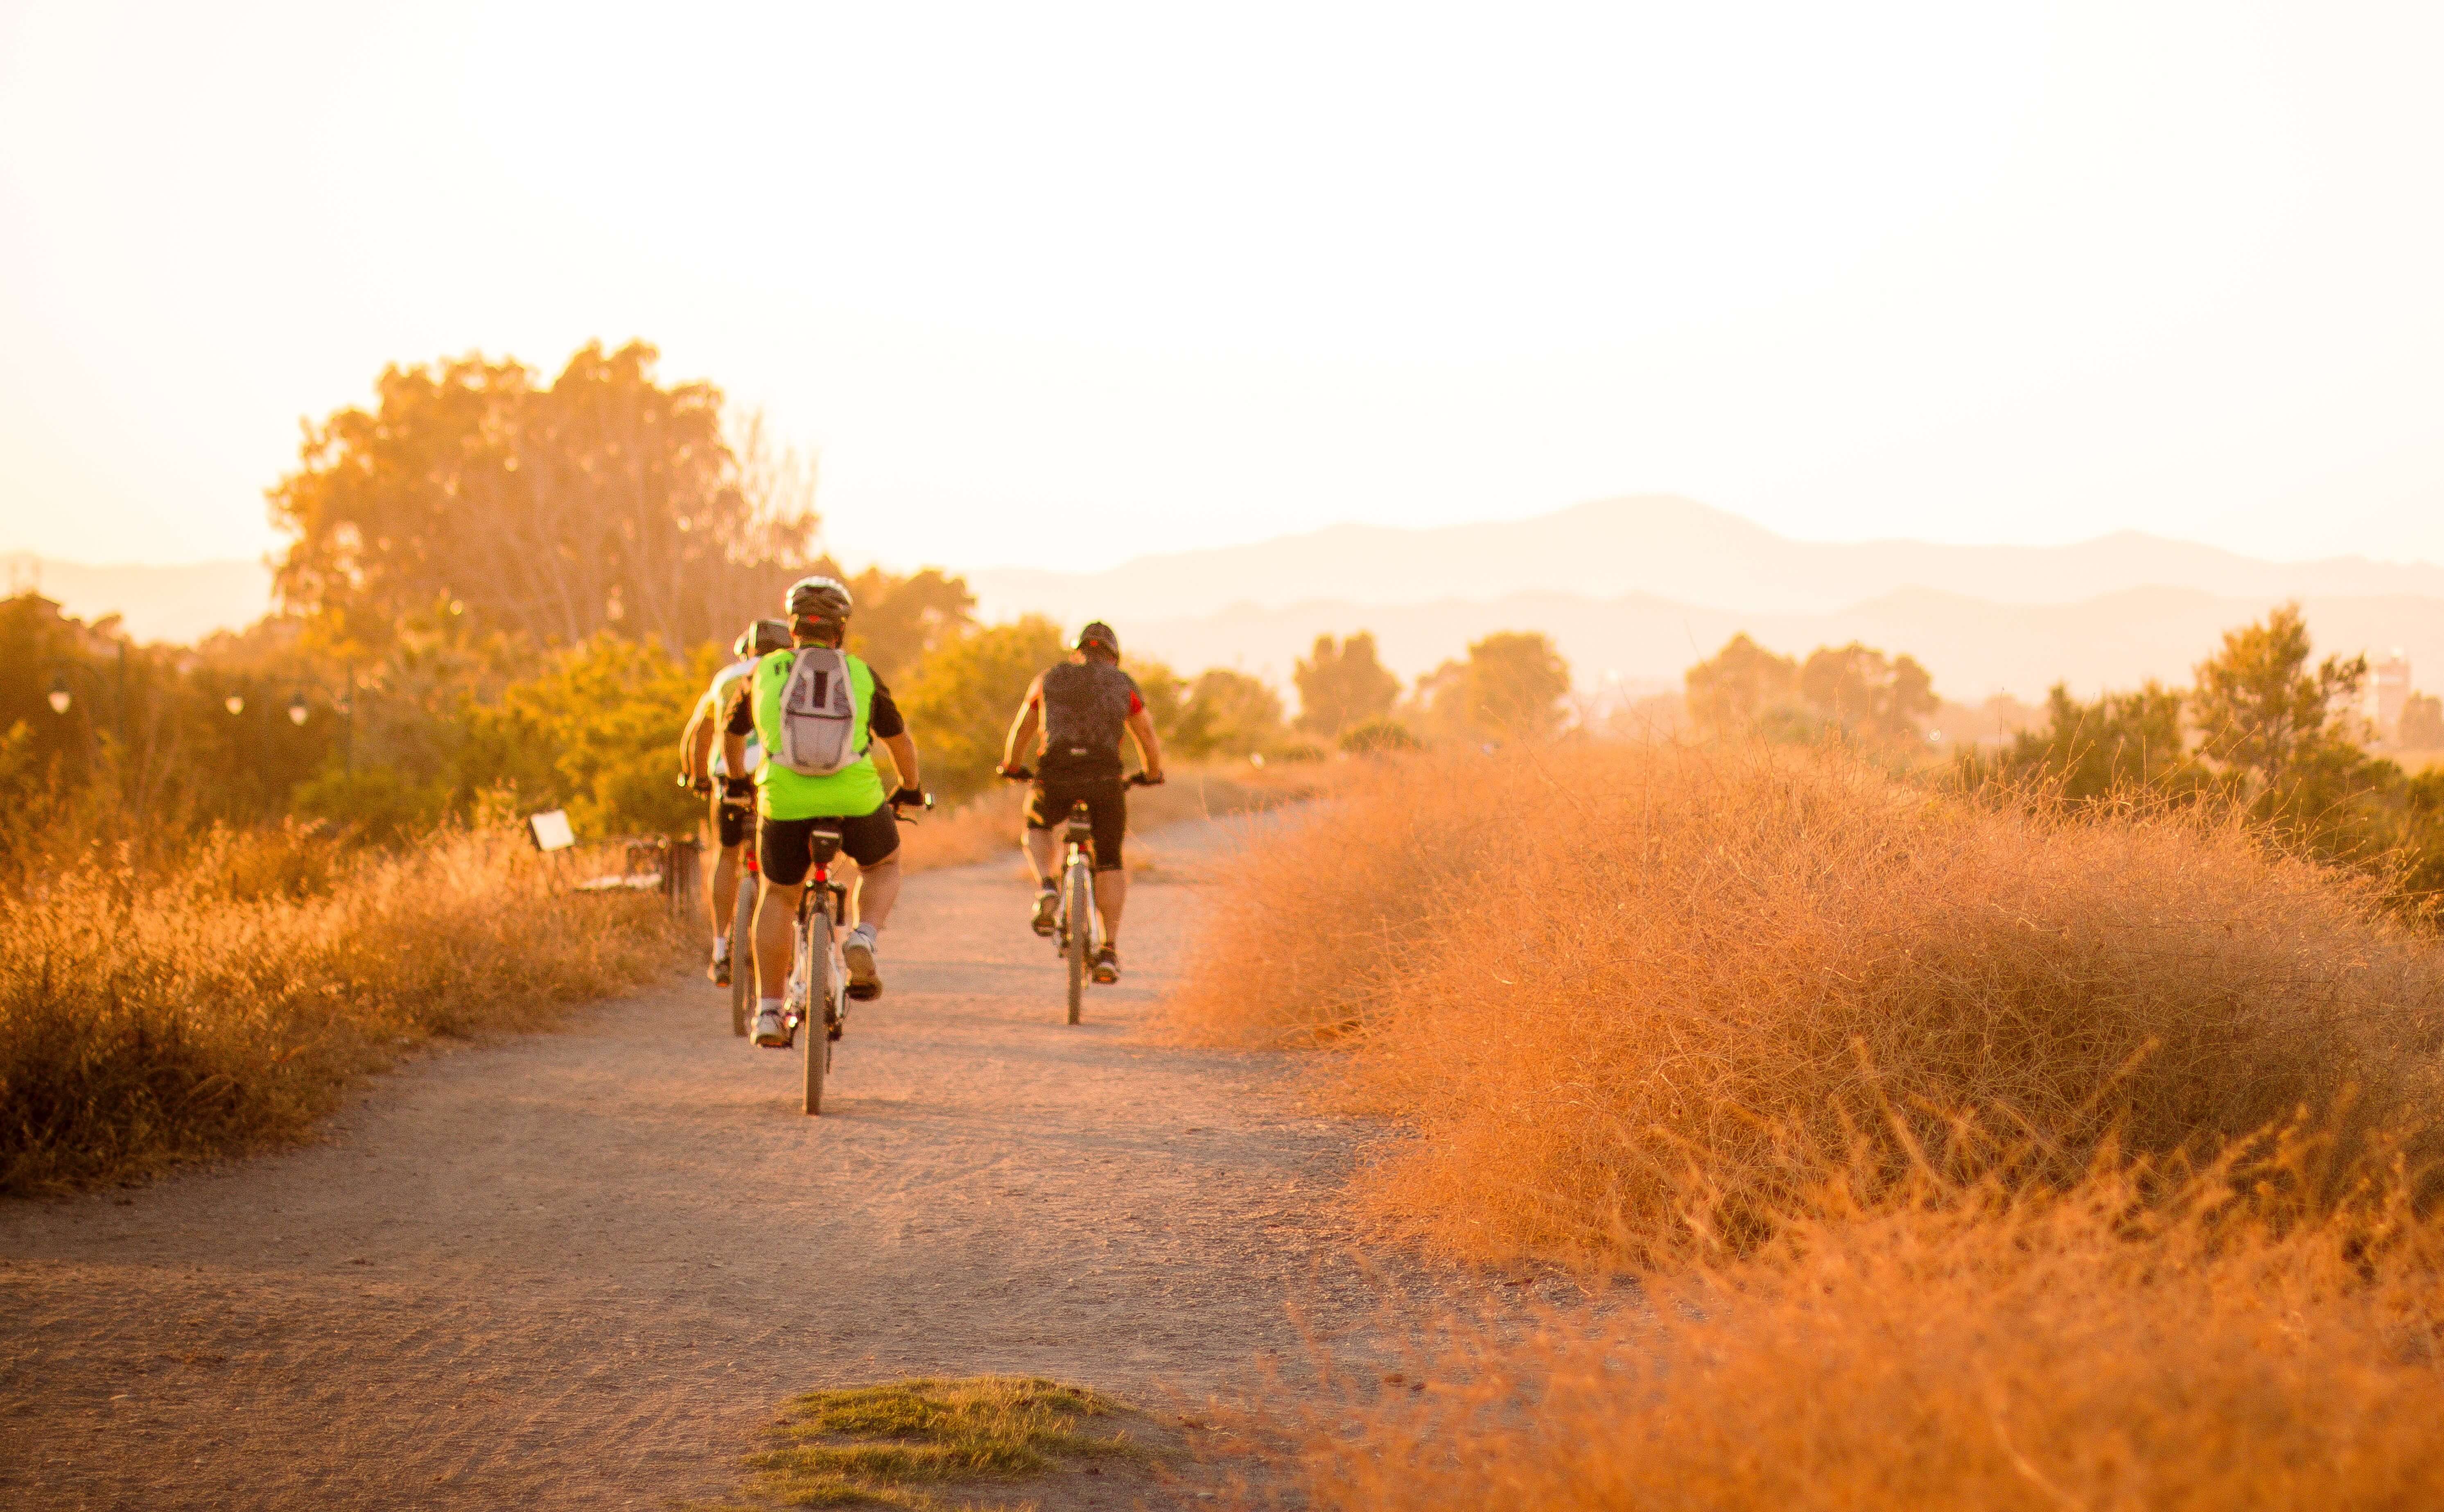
(578, 1269)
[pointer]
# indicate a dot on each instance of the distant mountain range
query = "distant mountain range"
(1641, 587)
(1972, 646)
(1673, 547)
(174, 603)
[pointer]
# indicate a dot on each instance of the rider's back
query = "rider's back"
(1086, 707)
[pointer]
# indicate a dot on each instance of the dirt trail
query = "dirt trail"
(578, 1269)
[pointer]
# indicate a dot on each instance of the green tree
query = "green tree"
(2121, 743)
(1867, 693)
(960, 699)
(1343, 684)
(595, 733)
(1731, 692)
(1511, 687)
(1178, 721)
(2263, 712)
(900, 619)
(1235, 715)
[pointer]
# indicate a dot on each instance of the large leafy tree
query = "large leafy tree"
(960, 699)
(1729, 694)
(900, 619)
(1514, 685)
(1341, 684)
(604, 500)
(1232, 715)
(1867, 693)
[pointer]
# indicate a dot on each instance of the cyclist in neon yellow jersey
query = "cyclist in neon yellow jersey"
(705, 766)
(793, 713)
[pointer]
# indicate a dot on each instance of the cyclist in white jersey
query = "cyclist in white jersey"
(705, 766)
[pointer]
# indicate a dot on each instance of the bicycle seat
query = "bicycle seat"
(825, 839)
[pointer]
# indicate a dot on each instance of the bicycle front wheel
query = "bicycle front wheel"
(816, 970)
(1080, 906)
(742, 953)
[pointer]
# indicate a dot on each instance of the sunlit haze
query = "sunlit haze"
(1060, 286)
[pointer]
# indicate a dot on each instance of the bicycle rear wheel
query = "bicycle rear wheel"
(1079, 906)
(742, 953)
(815, 965)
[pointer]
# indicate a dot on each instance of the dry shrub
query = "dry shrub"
(174, 1013)
(2105, 1348)
(1608, 983)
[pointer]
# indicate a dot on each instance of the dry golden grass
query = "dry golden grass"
(1605, 982)
(2110, 1349)
(987, 827)
(190, 1008)
(1933, 1132)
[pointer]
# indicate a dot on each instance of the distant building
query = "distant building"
(2388, 689)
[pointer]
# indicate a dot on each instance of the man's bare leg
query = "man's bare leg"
(777, 919)
(1044, 854)
(722, 891)
(877, 887)
(1111, 896)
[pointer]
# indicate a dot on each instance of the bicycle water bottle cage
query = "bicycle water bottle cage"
(826, 843)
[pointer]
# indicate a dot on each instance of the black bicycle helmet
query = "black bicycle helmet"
(762, 639)
(1099, 636)
(819, 598)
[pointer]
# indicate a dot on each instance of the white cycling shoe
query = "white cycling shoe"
(771, 1031)
(857, 953)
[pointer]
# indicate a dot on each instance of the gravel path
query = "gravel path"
(578, 1269)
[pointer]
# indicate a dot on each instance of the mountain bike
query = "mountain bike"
(742, 915)
(1077, 928)
(742, 931)
(818, 988)
(818, 979)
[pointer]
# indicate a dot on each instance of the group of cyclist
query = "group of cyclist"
(745, 745)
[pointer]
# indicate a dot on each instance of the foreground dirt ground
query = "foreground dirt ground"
(578, 1269)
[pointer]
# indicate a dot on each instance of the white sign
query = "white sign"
(552, 831)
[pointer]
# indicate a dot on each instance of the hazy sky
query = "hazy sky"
(1048, 283)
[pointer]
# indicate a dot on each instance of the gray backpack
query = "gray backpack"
(817, 714)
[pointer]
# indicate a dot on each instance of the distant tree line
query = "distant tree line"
(1851, 692)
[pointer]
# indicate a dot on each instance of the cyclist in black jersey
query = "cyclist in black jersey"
(1081, 709)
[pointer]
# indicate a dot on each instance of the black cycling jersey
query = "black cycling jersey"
(1086, 707)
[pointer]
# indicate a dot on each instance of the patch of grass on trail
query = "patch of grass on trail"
(883, 1446)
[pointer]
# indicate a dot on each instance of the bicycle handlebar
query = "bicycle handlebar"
(1021, 774)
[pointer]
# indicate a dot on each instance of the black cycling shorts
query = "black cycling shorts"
(732, 822)
(786, 854)
(1107, 809)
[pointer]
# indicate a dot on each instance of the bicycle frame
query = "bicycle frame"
(823, 908)
(1078, 851)
(826, 900)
